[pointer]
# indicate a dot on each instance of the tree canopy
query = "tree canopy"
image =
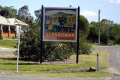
(24, 15)
(8, 12)
(108, 31)
(84, 25)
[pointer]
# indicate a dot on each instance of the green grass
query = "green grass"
(8, 63)
(79, 74)
(8, 43)
(85, 60)
(90, 60)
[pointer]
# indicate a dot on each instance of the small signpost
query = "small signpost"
(18, 36)
(60, 25)
(97, 62)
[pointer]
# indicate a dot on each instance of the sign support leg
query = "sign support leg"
(41, 35)
(77, 55)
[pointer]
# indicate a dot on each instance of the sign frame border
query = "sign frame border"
(63, 9)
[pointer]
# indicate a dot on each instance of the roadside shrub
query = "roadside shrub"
(57, 51)
(84, 46)
(30, 47)
(1, 38)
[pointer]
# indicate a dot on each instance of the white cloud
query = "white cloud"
(88, 13)
(114, 1)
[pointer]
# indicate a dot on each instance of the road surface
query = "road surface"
(114, 59)
(114, 56)
(7, 52)
(8, 77)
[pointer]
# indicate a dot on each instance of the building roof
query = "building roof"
(16, 22)
(4, 21)
(11, 21)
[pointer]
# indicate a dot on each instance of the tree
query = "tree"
(115, 33)
(93, 33)
(84, 25)
(38, 16)
(105, 34)
(104, 31)
(106, 21)
(37, 13)
(23, 12)
(24, 15)
(8, 12)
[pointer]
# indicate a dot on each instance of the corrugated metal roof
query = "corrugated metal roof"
(4, 21)
(16, 21)
(11, 21)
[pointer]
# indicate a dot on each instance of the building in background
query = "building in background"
(8, 26)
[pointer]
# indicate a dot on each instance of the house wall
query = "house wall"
(6, 32)
(9, 34)
(5, 35)
(1, 32)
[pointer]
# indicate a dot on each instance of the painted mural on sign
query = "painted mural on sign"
(60, 25)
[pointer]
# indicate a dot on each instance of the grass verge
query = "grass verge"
(8, 43)
(8, 63)
(90, 60)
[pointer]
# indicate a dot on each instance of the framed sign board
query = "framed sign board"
(60, 24)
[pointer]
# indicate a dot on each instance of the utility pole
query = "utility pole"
(99, 27)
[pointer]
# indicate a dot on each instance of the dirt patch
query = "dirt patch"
(87, 69)
(64, 62)
(57, 62)
(111, 70)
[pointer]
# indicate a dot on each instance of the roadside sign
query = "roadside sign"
(60, 24)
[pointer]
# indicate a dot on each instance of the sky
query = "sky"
(109, 9)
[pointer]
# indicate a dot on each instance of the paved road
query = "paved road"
(7, 52)
(7, 77)
(114, 58)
